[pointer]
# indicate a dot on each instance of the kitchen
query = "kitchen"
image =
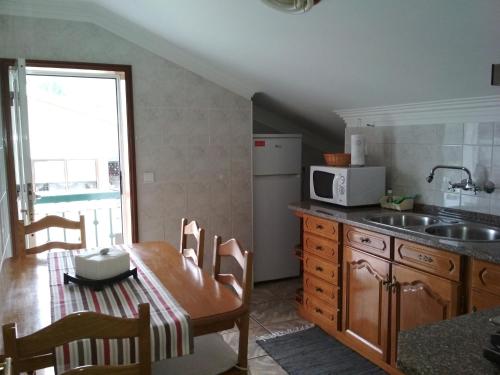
(414, 81)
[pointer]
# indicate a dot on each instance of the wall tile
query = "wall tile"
(474, 203)
(495, 207)
(496, 134)
(478, 159)
(478, 133)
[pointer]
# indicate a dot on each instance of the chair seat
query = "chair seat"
(212, 356)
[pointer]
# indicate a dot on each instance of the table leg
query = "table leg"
(243, 344)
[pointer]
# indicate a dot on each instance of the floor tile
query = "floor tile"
(276, 311)
(262, 293)
(282, 289)
(253, 324)
(254, 349)
(265, 365)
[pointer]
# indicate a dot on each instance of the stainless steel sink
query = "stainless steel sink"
(465, 232)
(403, 220)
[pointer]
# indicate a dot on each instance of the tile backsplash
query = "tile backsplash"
(409, 153)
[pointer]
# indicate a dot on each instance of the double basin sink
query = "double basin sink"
(443, 227)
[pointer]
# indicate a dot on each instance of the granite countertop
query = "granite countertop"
(453, 347)
(488, 251)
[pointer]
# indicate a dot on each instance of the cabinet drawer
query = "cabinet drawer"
(486, 276)
(321, 268)
(320, 312)
(321, 289)
(370, 242)
(322, 247)
(323, 227)
(481, 300)
(437, 262)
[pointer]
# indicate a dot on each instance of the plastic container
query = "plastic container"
(388, 202)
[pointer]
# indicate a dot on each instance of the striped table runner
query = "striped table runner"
(171, 332)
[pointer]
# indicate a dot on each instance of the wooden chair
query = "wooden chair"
(212, 355)
(199, 235)
(243, 289)
(45, 223)
(35, 351)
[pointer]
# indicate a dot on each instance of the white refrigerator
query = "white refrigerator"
(277, 160)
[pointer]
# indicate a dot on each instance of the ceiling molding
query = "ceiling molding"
(96, 14)
(480, 109)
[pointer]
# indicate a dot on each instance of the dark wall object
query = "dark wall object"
(495, 75)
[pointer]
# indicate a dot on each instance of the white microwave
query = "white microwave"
(357, 186)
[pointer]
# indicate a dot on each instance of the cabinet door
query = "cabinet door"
(366, 303)
(482, 300)
(419, 298)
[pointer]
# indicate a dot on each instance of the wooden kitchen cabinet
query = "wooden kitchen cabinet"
(321, 265)
(483, 300)
(364, 287)
(371, 242)
(365, 310)
(419, 298)
(485, 291)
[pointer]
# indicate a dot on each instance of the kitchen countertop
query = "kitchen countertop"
(453, 347)
(488, 251)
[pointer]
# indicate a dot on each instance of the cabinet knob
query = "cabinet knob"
(319, 290)
(365, 239)
(318, 268)
(318, 310)
(319, 248)
(319, 226)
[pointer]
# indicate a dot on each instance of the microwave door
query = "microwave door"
(322, 185)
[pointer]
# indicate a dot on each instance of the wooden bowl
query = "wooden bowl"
(337, 159)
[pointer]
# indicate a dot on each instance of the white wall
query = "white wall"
(193, 135)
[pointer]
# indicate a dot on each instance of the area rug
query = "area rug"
(312, 352)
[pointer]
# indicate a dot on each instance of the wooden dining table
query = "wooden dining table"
(212, 307)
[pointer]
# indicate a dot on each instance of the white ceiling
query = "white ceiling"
(342, 54)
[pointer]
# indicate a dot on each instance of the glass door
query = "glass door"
(20, 131)
(69, 150)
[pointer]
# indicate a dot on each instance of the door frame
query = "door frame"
(126, 70)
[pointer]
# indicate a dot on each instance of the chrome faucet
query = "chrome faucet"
(466, 184)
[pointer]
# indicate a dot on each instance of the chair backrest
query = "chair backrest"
(231, 248)
(46, 223)
(199, 235)
(35, 351)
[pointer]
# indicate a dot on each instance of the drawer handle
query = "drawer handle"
(318, 268)
(425, 258)
(319, 290)
(319, 248)
(319, 226)
(365, 240)
(318, 310)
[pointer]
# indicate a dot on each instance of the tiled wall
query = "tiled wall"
(5, 241)
(409, 152)
(193, 135)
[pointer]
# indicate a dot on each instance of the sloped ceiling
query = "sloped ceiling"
(342, 54)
